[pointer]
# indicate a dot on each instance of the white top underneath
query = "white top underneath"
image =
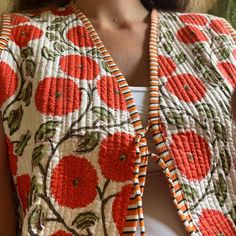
(160, 214)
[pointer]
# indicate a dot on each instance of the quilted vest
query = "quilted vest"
(77, 148)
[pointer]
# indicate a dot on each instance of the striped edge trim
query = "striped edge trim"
(5, 31)
(135, 210)
(164, 157)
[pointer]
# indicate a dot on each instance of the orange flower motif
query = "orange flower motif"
(190, 34)
(194, 19)
(228, 70)
(213, 222)
(218, 26)
(22, 35)
(23, 187)
(61, 233)
(167, 66)
(117, 156)
(8, 81)
(186, 87)
(110, 93)
(120, 207)
(191, 154)
(73, 182)
(57, 96)
(80, 67)
(12, 157)
(18, 19)
(79, 37)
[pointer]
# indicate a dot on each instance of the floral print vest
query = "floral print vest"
(77, 149)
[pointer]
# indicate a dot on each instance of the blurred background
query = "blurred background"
(226, 9)
(223, 8)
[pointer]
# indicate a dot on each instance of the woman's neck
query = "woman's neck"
(113, 13)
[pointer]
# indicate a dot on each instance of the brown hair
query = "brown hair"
(178, 5)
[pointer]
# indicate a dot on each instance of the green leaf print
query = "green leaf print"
(20, 146)
(220, 131)
(220, 189)
(199, 63)
(27, 93)
(206, 110)
(181, 58)
(36, 220)
(14, 120)
(103, 114)
(46, 131)
(57, 20)
(34, 190)
(26, 52)
(223, 53)
(226, 161)
(85, 220)
(221, 39)
(175, 118)
(211, 78)
(88, 142)
(198, 49)
(93, 52)
(105, 66)
(49, 54)
(59, 47)
(54, 27)
(169, 36)
(37, 155)
(168, 47)
(171, 17)
(189, 192)
(51, 36)
(30, 68)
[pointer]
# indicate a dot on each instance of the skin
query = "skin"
(115, 23)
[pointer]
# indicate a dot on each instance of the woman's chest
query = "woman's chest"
(129, 50)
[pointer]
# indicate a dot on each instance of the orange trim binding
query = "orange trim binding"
(5, 31)
(135, 210)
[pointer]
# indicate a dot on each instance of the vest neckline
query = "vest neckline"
(153, 113)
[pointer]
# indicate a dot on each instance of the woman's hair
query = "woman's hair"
(178, 5)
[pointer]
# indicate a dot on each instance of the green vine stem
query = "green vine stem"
(17, 97)
(103, 204)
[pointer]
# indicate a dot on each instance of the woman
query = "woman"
(82, 138)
